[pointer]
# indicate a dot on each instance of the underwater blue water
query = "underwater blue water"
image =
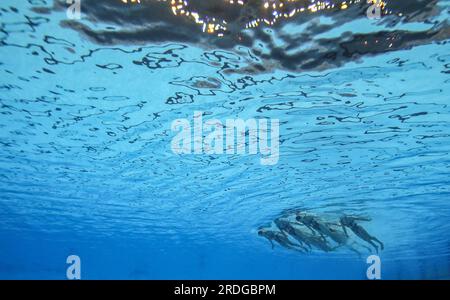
(86, 165)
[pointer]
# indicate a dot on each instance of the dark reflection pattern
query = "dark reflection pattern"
(310, 41)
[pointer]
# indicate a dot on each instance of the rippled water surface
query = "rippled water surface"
(86, 165)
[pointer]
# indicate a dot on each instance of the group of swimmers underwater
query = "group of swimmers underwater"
(304, 232)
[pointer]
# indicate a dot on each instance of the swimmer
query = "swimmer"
(286, 228)
(327, 229)
(302, 236)
(323, 229)
(358, 230)
(280, 238)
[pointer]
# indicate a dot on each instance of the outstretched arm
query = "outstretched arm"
(284, 233)
(309, 227)
(345, 230)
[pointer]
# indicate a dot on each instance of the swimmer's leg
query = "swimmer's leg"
(304, 249)
(379, 242)
(312, 230)
(345, 230)
(271, 242)
(304, 246)
(365, 236)
(322, 236)
(336, 247)
(373, 245)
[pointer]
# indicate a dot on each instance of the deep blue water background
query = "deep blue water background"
(86, 166)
